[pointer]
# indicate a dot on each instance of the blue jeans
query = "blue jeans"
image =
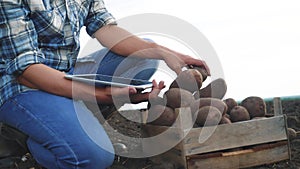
(63, 133)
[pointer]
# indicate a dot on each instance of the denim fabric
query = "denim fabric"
(63, 133)
(108, 63)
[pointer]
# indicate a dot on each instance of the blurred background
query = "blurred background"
(256, 41)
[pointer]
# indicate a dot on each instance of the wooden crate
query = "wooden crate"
(227, 146)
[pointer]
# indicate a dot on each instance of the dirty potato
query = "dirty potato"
(255, 105)
(176, 98)
(239, 113)
(225, 120)
(161, 115)
(156, 101)
(216, 89)
(230, 102)
(208, 116)
(214, 102)
(190, 80)
(202, 70)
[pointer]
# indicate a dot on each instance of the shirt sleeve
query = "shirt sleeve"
(98, 17)
(18, 38)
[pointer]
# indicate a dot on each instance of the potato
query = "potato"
(208, 116)
(190, 80)
(161, 115)
(230, 102)
(219, 104)
(216, 89)
(239, 113)
(176, 98)
(255, 105)
(292, 133)
(202, 70)
(227, 116)
(225, 120)
(156, 101)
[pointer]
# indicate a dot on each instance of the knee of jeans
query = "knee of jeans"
(149, 67)
(88, 156)
(100, 158)
(153, 63)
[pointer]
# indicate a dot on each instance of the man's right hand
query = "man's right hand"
(130, 94)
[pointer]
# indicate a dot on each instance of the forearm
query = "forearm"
(44, 78)
(124, 43)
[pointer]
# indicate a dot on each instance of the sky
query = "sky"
(257, 41)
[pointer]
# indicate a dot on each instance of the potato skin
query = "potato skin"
(161, 115)
(239, 113)
(225, 120)
(255, 105)
(230, 102)
(202, 70)
(190, 80)
(214, 102)
(216, 89)
(156, 101)
(176, 98)
(208, 116)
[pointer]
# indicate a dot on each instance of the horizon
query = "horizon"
(257, 42)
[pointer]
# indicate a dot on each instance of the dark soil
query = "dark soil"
(290, 106)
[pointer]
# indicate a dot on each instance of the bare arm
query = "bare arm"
(29, 68)
(120, 41)
(44, 78)
(124, 43)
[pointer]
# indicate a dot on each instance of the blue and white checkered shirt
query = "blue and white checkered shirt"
(43, 31)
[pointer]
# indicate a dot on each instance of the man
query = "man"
(39, 45)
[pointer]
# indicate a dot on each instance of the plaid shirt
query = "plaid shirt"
(43, 31)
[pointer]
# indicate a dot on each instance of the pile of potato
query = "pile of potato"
(206, 104)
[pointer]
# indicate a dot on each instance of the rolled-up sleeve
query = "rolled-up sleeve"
(18, 38)
(98, 17)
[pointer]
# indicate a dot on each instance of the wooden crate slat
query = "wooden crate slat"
(236, 135)
(229, 146)
(247, 158)
(158, 140)
(164, 136)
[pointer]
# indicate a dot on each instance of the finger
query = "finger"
(154, 84)
(161, 85)
(156, 90)
(200, 63)
(140, 97)
(206, 68)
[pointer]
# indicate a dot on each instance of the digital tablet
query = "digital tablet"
(105, 80)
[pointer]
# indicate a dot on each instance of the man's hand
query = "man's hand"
(120, 96)
(141, 97)
(176, 61)
(125, 43)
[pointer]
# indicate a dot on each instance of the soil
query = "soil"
(120, 124)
